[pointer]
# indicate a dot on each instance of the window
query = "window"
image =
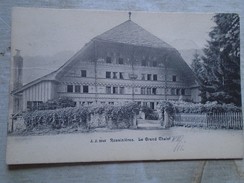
(121, 61)
(144, 103)
(177, 91)
(182, 91)
(152, 105)
(114, 75)
(144, 63)
(143, 91)
(121, 75)
(155, 77)
(111, 103)
(154, 91)
(115, 90)
(89, 103)
(174, 78)
(149, 91)
(108, 74)
(109, 60)
(149, 77)
(77, 88)
(173, 91)
(85, 89)
(142, 76)
(139, 103)
(82, 103)
(155, 64)
(69, 88)
(122, 90)
(28, 104)
(108, 89)
(83, 73)
(32, 105)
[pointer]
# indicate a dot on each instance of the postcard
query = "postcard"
(101, 86)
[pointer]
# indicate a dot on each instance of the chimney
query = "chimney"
(18, 70)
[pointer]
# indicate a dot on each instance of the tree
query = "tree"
(219, 78)
(196, 64)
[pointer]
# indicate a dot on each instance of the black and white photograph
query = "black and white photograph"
(101, 86)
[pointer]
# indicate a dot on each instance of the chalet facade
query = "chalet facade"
(126, 63)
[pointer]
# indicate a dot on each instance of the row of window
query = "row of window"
(149, 77)
(148, 91)
(33, 104)
(120, 75)
(115, 75)
(119, 61)
(77, 88)
(121, 90)
(149, 104)
(177, 91)
(144, 62)
(115, 90)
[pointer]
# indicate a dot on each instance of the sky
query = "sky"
(49, 33)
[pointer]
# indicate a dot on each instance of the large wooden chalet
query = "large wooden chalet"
(126, 63)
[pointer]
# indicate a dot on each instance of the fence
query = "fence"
(229, 120)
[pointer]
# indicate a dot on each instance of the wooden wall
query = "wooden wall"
(42, 91)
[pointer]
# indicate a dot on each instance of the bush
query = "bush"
(150, 114)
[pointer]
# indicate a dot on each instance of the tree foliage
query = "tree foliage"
(219, 70)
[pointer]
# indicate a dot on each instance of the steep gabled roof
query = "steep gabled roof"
(133, 34)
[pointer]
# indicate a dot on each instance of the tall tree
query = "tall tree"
(220, 76)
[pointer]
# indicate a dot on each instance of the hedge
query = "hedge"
(120, 115)
(187, 107)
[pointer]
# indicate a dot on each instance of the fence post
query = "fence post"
(166, 120)
(134, 121)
